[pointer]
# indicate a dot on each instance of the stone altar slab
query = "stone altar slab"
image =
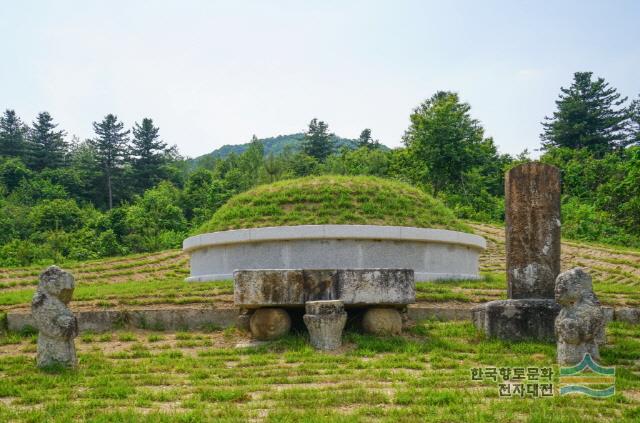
(294, 287)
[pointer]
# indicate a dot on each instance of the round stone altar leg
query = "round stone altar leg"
(242, 321)
(382, 321)
(267, 324)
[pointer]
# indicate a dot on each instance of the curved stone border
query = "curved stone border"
(373, 232)
(432, 253)
(420, 277)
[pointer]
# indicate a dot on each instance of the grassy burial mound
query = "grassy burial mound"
(360, 200)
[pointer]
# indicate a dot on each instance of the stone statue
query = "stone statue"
(56, 323)
(581, 318)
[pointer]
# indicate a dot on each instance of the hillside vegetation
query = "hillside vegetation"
(275, 145)
(333, 200)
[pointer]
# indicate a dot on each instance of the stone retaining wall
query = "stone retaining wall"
(177, 319)
(432, 253)
(184, 319)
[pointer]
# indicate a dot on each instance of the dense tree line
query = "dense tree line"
(125, 190)
(59, 196)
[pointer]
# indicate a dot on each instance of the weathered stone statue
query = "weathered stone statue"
(325, 321)
(581, 319)
(56, 323)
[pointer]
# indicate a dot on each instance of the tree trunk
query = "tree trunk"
(109, 190)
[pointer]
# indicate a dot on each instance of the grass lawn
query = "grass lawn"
(424, 375)
(201, 376)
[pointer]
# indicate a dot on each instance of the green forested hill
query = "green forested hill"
(277, 145)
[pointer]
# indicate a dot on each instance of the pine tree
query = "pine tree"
(148, 154)
(365, 140)
(48, 146)
(12, 136)
(250, 162)
(634, 125)
(588, 116)
(110, 149)
(317, 140)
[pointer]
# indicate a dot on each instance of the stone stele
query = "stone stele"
(325, 321)
(532, 230)
(581, 318)
(56, 324)
(532, 209)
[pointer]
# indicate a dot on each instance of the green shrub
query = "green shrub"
(585, 222)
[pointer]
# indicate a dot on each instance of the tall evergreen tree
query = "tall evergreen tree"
(588, 116)
(148, 154)
(365, 140)
(12, 136)
(48, 146)
(273, 167)
(634, 126)
(84, 163)
(110, 149)
(317, 140)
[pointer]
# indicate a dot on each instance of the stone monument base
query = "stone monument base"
(518, 320)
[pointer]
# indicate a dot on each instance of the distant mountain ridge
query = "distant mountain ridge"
(277, 145)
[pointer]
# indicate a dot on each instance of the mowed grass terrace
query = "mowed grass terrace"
(424, 375)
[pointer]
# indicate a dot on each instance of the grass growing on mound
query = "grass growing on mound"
(360, 200)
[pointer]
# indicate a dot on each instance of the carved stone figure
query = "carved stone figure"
(581, 319)
(56, 323)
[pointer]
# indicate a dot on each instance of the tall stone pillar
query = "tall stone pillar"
(532, 203)
(532, 230)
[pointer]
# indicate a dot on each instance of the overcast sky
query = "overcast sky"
(211, 72)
